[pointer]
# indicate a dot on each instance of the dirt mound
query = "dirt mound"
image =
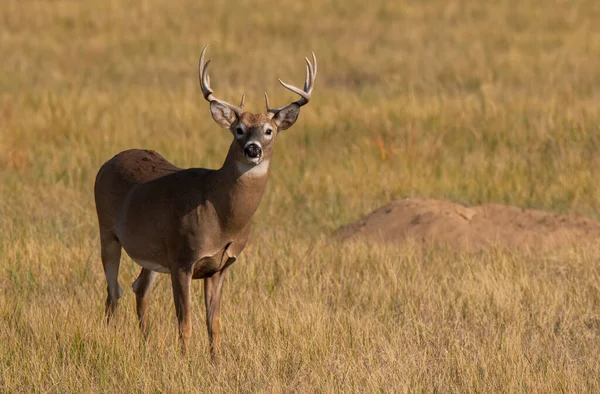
(471, 229)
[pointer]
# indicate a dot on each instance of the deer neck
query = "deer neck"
(239, 189)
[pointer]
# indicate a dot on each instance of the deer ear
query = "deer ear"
(285, 118)
(222, 114)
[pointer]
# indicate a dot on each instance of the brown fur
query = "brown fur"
(190, 223)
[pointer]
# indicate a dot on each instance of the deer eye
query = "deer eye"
(239, 131)
(268, 132)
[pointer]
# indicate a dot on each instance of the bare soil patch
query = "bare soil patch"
(471, 228)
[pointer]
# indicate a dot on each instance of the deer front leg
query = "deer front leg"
(111, 258)
(212, 299)
(182, 283)
(141, 288)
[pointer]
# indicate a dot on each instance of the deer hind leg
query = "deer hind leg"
(182, 283)
(111, 258)
(142, 287)
(212, 299)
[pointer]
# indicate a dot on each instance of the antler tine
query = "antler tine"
(307, 79)
(309, 75)
(204, 85)
(305, 94)
(207, 92)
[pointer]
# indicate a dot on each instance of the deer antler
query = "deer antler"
(309, 83)
(206, 89)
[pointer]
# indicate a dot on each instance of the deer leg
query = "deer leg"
(142, 287)
(212, 299)
(182, 283)
(111, 258)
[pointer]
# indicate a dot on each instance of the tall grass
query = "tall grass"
(471, 101)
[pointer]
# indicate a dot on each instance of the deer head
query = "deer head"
(254, 134)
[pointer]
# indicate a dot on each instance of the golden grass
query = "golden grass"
(472, 101)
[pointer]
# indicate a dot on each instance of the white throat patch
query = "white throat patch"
(248, 169)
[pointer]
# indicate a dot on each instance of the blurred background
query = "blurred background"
(465, 100)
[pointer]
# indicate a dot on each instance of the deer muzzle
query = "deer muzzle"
(253, 152)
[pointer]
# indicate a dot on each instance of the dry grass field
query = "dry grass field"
(466, 100)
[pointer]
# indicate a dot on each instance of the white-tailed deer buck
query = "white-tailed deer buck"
(189, 223)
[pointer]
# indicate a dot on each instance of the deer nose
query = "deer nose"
(252, 151)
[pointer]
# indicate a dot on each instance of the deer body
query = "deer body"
(189, 223)
(204, 223)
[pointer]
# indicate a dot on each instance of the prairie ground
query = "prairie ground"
(470, 101)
